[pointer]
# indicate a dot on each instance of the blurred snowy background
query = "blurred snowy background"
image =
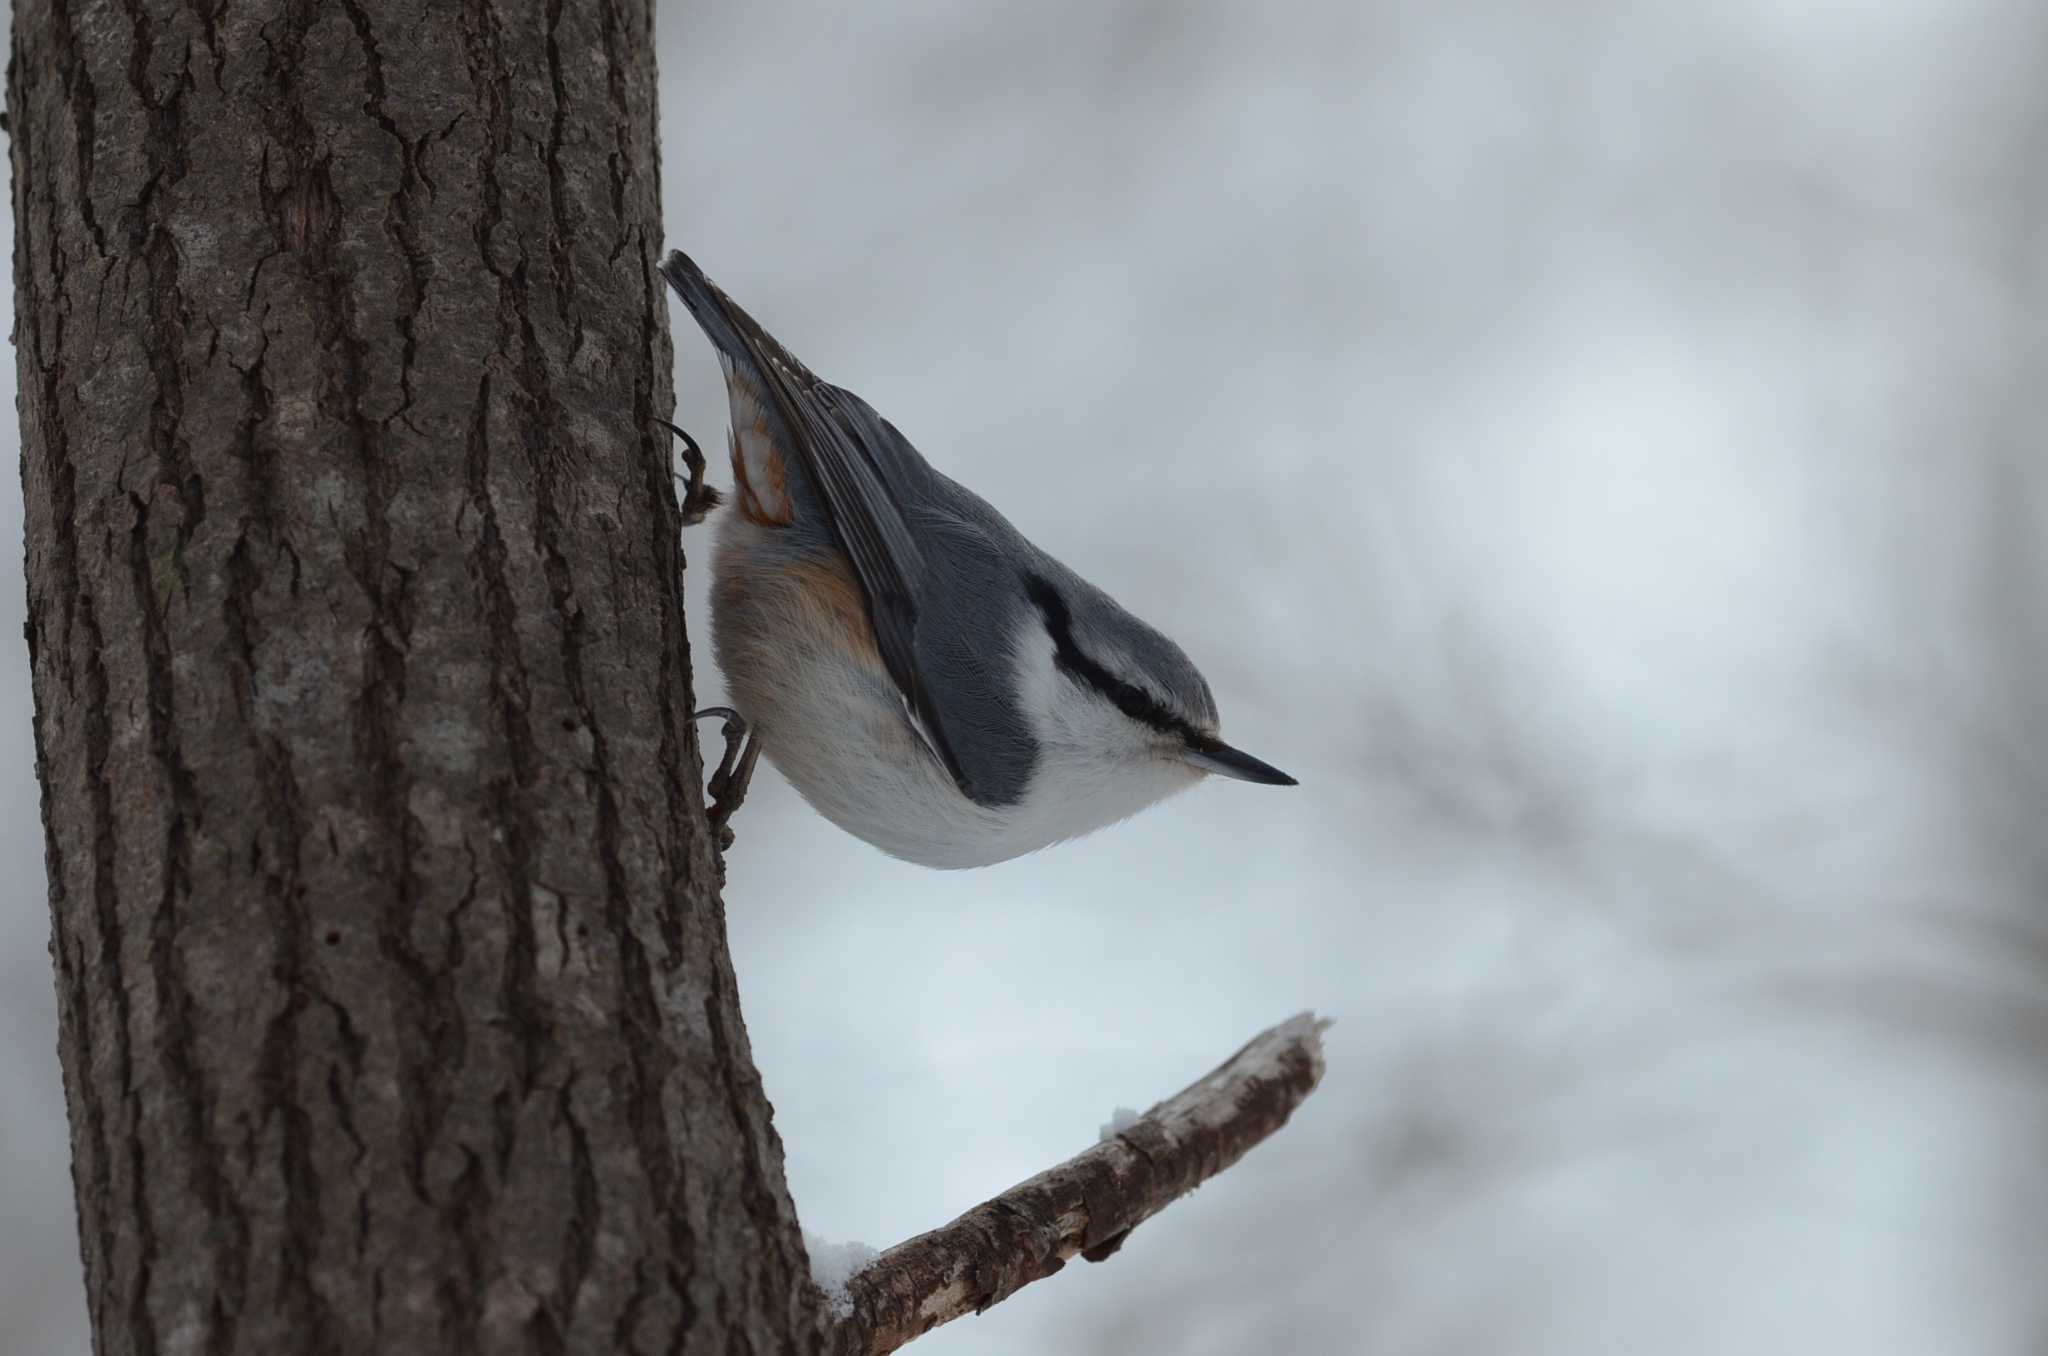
(1602, 450)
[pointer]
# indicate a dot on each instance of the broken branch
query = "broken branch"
(1087, 1204)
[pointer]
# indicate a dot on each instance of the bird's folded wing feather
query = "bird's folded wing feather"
(844, 446)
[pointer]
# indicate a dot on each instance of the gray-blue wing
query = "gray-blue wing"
(860, 466)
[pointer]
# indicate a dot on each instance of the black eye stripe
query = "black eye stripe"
(1128, 698)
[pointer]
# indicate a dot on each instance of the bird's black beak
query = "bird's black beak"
(1213, 755)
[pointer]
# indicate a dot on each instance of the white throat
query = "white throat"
(1096, 766)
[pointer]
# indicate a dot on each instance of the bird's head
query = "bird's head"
(1111, 700)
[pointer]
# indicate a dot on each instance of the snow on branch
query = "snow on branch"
(1087, 1204)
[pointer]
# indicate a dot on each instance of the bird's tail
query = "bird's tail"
(731, 330)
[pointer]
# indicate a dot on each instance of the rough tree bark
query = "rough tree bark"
(396, 1011)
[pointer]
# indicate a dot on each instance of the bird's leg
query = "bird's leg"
(734, 792)
(698, 498)
(728, 785)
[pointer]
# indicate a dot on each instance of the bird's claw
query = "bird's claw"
(728, 785)
(698, 498)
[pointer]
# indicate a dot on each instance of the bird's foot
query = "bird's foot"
(728, 786)
(698, 498)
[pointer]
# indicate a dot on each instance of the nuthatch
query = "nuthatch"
(924, 676)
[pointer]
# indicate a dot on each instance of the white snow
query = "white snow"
(833, 1265)
(1120, 1120)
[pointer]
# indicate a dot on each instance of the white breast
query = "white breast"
(832, 722)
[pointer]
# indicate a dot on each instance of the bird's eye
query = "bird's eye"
(1128, 697)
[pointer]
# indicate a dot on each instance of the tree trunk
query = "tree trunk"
(396, 1008)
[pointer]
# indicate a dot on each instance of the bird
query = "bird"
(922, 674)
